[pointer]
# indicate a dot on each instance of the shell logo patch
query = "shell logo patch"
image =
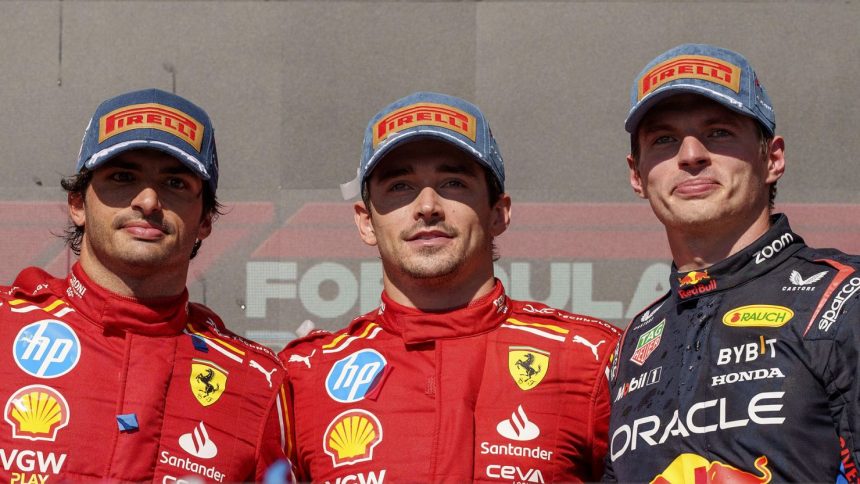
(208, 381)
(36, 412)
(528, 366)
(351, 437)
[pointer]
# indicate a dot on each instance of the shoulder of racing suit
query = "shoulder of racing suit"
(204, 322)
(838, 301)
(301, 350)
(539, 313)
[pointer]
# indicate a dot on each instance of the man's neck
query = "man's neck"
(699, 248)
(138, 284)
(435, 295)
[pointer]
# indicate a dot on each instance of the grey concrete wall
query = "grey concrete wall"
(291, 84)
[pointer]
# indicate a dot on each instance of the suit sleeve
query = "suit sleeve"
(600, 418)
(275, 448)
(841, 377)
(612, 365)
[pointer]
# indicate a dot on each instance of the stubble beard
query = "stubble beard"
(429, 263)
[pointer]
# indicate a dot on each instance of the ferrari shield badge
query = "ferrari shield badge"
(527, 365)
(208, 381)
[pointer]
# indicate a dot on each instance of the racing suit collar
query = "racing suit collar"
(768, 251)
(164, 316)
(416, 326)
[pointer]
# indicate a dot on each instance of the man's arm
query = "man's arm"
(276, 443)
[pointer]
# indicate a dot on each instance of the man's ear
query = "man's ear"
(635, 177)
(364, 223)
(205, 227)
(501, 215)
(76, 209)
(775, 159)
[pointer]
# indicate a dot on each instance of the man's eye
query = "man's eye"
(399, 186)
(121, 176)
(720, 133)
(660, 140)
(454, 184)
(177, 183)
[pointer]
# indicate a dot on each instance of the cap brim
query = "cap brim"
(101, 157)
(634, 117)
(352, 189)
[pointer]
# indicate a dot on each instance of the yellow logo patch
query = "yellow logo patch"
(758, 315)
(527, 365)
(208, 381)
(152, 116)
(351, 437)
(703, 67)
(425, 114)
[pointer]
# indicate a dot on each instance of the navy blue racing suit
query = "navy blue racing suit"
(744, 372)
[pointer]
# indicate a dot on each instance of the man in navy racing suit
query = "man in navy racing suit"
(746, 370)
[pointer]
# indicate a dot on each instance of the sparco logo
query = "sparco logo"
(774, 247)
(698, 420)
(829, 316)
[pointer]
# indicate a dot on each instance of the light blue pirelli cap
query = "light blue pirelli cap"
(153, 119)
(424, 115)
(716, 73)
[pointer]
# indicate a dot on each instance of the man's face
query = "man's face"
(142, 213)
(430, 214)
(700, 164)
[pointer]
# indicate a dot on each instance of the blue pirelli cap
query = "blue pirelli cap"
(154, 119)
(716, 73)
(424, 115)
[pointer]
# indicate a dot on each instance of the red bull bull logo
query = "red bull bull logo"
(694, 280)
(693, 277)
(692, 468)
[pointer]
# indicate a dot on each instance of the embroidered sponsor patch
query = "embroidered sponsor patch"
(425, 114)
(152, 116)
(701, 67)
(351, 437)
(36, 412)
(648, 342)
(208, 381)
(528, 366)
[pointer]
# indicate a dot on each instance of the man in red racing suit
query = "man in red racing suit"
(445, 382)
(110, 374)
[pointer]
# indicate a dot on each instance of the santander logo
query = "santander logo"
(518, 427)
(198, 444)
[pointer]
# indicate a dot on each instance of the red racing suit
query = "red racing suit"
(96, 386)
(499, 391)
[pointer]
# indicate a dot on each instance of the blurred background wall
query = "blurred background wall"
(291, 84)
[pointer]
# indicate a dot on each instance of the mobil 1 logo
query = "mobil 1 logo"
(47, 349)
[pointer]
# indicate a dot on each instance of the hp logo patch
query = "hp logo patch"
(351, 378)
(47, 349)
